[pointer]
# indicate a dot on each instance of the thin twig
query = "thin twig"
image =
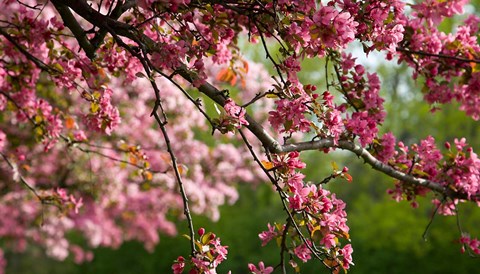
(21, 178)
(424, 235)
(86, 150)
(189, 97)
(284, 246)
(186, 209)
(283, 196)
(439, 55)
(161, 123)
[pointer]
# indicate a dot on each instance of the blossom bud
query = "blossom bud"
(447, 145)
(201, 231)
(359, 69)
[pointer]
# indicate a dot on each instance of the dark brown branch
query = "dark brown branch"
(119, 9)
(39, 63)
(217, 96)
(438, 55)
(79, 33)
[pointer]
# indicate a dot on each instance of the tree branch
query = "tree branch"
(18, 177)
(439, 55)
(79, 33)
(119, 9)
(39, 63)
(272, 145)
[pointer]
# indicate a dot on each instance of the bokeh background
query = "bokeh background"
(387, 237)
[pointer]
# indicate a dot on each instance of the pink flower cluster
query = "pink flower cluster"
(289, 116)
(327, 214)
(329, 115)
(382, 24)
(462, 170)
(332, 29)
(261, 268)
(289, 162)
(471, 244)
(270, 234)
(205, 261)
(103, 116)
(235, 114)
(433, 11)
(387, 148)
(61, 196)
(363, 96)
(457, 168)
(444, 61)
(3, 140)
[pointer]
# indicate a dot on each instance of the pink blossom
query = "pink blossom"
(430, 155)
(434, 11)
(261, 269)
(329, 241)
(471, 243)
(290, 162)
(79, 136)
(3, 140)
(106, 118)
(303, 252)
(80, 255)
(179, 265)
(289, 116)
(346, 253)
(388, 147)
(335, 29)
(270, 234)
(235, 113)
(76, 203)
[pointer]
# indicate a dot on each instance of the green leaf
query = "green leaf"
(205, 239)
(94, 107)
(334, 166)
(58, 67)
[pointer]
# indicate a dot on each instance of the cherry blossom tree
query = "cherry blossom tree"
(105, 105)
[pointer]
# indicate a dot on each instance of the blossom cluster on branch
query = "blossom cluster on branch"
(102, 104)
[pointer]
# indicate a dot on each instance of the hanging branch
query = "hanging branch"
(291, 219)
(162, 123)
(21, 178)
